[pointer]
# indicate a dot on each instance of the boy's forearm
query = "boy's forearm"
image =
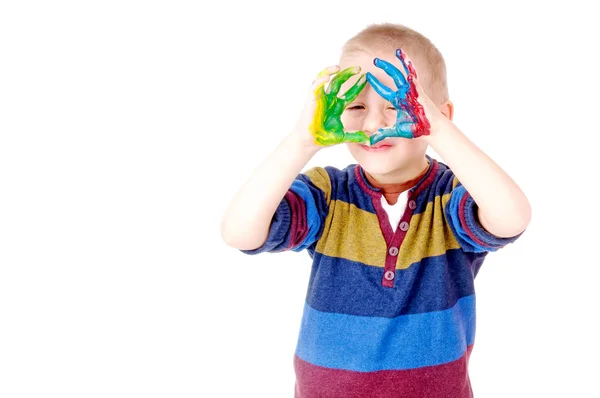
(246, 222)
(503, 208)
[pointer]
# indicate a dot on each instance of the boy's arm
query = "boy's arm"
(503, 209)
(246, 222)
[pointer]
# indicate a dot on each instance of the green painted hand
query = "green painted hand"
(327, 127)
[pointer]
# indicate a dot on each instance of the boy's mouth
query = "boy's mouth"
(376, 148)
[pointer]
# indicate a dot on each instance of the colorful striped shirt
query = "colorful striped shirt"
(387, 313)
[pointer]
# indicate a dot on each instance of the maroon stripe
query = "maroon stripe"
(463, 220)
(298, 224)
(362, 182)
(397, 239)
(450, 380)
(391, 239)
(420, 186)
(384, 221)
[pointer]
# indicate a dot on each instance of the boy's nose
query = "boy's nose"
(373, 122)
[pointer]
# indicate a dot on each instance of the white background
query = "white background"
(126, 127)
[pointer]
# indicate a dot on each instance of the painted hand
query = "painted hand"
(411, 121)
(327, 127)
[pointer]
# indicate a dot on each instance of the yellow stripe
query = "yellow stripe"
(454, 182)
(319, 177)
(429, 235)
(355, 234)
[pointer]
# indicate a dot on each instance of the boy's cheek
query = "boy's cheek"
(390, 118)
(350, 123)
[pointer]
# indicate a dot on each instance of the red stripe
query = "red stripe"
(450, 380)
(429, 179)
(298, 224)
(362, 182)
(393, 239)
(463, 220)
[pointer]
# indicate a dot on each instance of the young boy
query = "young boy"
(397, 239)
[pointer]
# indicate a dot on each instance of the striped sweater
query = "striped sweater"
(387, 313)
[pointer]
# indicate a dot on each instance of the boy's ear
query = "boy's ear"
(448, 109)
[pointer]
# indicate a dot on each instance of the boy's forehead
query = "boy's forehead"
(365, 61)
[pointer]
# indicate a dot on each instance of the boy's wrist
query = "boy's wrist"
(303, 143)
(439, 125)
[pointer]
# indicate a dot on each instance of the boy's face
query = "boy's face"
(370, 112)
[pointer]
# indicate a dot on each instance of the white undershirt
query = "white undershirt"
(396, 210)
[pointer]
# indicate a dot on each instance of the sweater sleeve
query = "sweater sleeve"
(299, 219)
(461, 213)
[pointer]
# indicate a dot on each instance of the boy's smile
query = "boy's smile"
(376, 148)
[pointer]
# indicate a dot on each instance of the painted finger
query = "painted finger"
(318, 86)
(381, 134)
(356, 136)
(391, 70)
(381, 89)
(353, 92)
(407, 64)
(401, 55)
(328, 71)
(322, 78)
(341, 78)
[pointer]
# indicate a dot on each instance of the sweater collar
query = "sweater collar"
(414, 186)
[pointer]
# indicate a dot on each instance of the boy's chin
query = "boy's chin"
(379, 166)
(380, 169)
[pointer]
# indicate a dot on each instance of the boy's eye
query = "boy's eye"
(355, 107)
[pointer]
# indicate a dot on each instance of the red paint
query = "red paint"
(422, 125)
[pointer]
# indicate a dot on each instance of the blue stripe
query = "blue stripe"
(313, 219)
(432, 284)
(452, 211)
(347, 189)
(367, 344)
(493, 241)
(279, 232)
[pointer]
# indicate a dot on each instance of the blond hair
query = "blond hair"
(428, 60)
